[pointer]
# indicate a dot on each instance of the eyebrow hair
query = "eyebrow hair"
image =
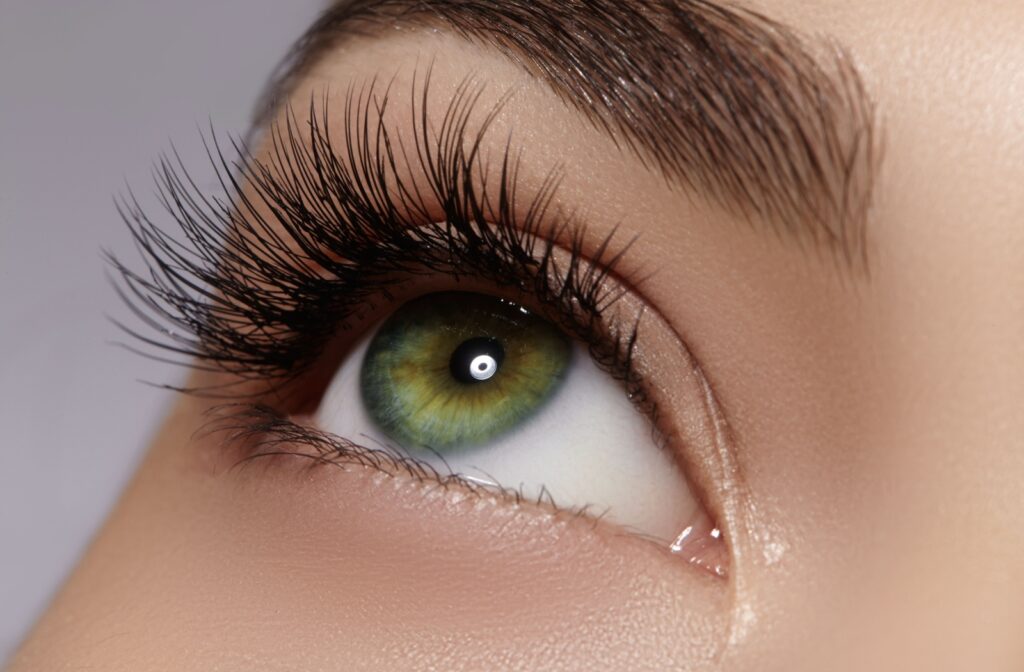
(773, 127)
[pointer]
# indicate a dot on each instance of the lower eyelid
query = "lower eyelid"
(310, 463)
(363, 513)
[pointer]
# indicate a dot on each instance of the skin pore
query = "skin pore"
(863, 460)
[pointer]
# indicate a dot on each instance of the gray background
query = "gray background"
(90, 93)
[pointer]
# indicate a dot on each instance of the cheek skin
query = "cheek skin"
(279, 566)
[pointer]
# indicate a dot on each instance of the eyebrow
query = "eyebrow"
(776, 128)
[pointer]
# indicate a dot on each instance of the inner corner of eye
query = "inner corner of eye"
(478, 386)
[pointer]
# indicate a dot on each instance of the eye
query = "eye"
(453, 372)
(451, 383)
(485, 388)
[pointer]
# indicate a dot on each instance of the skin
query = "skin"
(870, 484)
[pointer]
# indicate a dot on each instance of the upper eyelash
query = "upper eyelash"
(260, 295)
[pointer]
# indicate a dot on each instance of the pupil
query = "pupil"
(476, 360)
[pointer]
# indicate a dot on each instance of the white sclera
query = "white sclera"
(588, 446)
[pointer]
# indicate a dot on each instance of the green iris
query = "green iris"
(456, 370)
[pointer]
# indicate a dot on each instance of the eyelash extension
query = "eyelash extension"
(295, 247)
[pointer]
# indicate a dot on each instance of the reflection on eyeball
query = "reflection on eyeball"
(484, 388)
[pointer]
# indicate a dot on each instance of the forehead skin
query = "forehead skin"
(876, 421)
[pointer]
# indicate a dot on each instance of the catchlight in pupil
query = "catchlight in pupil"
(477, 360)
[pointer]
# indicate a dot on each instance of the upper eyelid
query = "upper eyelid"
(199, 300)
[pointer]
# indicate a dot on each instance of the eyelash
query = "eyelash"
(261, 296)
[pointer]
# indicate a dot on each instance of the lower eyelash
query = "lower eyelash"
(297, 244)
(259, 432)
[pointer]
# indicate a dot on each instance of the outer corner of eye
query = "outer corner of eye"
(483, 388)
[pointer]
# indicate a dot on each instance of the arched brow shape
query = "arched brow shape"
(725, 101)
